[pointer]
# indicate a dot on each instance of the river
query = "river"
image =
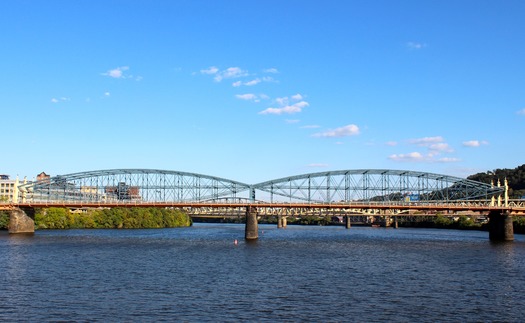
(297, 274)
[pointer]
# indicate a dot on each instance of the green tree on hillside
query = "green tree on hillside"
(515, 178)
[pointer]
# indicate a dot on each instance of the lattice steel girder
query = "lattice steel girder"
(152, 185)
(375, 185)
(133, 184)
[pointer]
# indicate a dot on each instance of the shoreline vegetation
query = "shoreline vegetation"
(462, 222)
(155, 218)
(115, 218)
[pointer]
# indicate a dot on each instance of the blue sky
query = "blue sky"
(257, 90)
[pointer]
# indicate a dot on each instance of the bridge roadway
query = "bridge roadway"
(514, 207)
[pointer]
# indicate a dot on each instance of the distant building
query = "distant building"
(9, 189)
(43, 177)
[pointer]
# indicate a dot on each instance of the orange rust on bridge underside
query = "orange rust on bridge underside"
(444, 206)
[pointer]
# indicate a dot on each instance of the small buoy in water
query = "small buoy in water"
(235, 242)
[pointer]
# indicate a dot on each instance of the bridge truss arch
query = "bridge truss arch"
(132, 185)
(164, 186)
(374, 185)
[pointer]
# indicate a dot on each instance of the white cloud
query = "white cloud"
(282, 101)
(297, 97)
(210, 70)
(291, 121)
(440, 147)
(269, 79)
(230, 72)
(410, 157)
(448, 160)
(391, 143)
(521, 112)
(107, 93)
(117, 72)
(348, 130)
(62, 99)
(253, 82)
(247, 96)
(288, 109)
(271, 70)
(318, 165)
(426, 141)
(474, 143)
(416, 45)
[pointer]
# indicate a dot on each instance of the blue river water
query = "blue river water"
(297, 274)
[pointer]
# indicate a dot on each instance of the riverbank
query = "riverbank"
(115, 218)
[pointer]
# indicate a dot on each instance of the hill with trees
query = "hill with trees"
(515, 178)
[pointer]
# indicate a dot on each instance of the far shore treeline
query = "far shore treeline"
(115, 218)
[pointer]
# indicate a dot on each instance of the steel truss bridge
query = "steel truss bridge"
(390, 191)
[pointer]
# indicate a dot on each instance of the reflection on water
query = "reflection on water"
(301, 273)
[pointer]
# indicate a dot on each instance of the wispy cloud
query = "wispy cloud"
(348, 130)
(391, 143)
(287, 109)
(318, 165)
(448, 160)
(426, 141)
(253, 82)
(120, 73)
(410, 157)
(474, 143)
(292, 105)
(210, 70)
(229, 73)
(271, 70)
(247, 96)
(219, 75)
(436, 147)
(415, 45)
(117, 73)
(58, 100)
(521, 112)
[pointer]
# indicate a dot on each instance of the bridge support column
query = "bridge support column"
(500, 226)
(396, 224)
(22, 220)
(279, 221)
(251, 231)
(348, 223)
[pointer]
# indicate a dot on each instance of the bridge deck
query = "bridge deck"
(475, 206)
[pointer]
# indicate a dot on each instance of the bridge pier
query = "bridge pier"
(396, 224)
(348, 223)
(22, 220)
(251, 231)
(500, 226)
(281, 222)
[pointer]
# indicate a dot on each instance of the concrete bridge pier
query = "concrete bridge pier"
(22, 220)
(348, 223)
(500, 226)
(396, 224)
(251, 231)
(281, 222)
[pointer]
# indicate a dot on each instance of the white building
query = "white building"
(9, 189)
